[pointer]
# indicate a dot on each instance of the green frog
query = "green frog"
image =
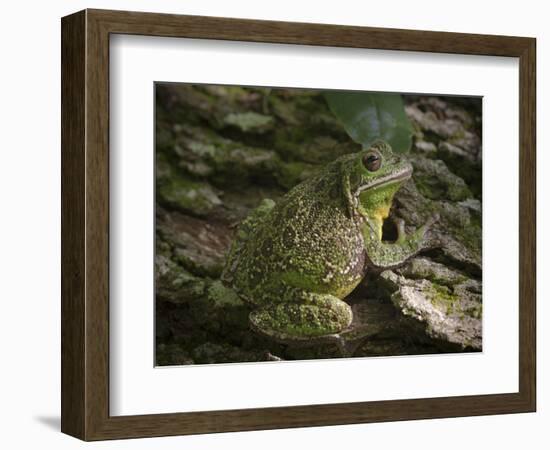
(296, 260)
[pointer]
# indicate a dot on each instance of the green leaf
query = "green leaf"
(368, 116)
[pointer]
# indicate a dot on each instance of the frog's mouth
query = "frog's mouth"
(402, 175)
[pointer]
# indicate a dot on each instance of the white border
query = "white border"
(136, 387)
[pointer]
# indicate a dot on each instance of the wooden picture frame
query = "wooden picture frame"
(85, 224)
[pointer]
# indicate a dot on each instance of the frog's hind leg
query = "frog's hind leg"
(310, 317)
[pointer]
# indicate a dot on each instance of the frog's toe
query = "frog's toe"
(400, 226)
(301, 322)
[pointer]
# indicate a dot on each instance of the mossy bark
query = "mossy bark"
(220, 150)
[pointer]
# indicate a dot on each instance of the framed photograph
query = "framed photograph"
(271, 224)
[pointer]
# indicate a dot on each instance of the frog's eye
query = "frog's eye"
(372, 161)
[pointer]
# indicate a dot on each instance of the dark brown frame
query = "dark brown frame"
(85, 224)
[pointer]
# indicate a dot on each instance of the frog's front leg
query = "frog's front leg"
(386, 255)
(307, 316)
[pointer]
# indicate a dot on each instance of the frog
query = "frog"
(294, 261)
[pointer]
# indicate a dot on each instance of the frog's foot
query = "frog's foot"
(418, 234)
(384, 255)
(401, 233)
(321, 316)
